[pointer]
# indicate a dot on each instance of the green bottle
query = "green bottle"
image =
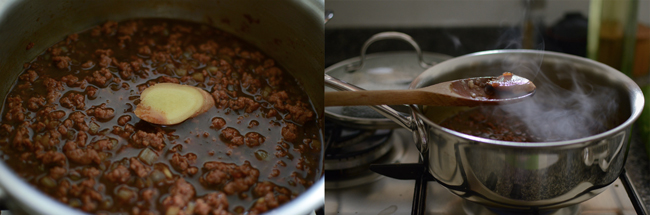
(612, 33)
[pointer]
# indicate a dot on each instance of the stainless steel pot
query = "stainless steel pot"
(290, 31)
(525, 176)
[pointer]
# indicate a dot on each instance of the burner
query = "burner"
(349, 167)
(349, 148)
(345, 143)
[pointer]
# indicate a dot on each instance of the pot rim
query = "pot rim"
(636, 99)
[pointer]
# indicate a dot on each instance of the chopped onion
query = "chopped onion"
(71, 134)
(190, 208)
(173, 210)
(239, 210)
(167, 172)
(48, 182)
(125, 194)
(113, 142)
(261, 155)
(266, 91)
(198, 76)
(93, 127)
(107, 204)
(157, 176)
(104, 155)
(75, 203)
(148, 156)
(45, 139)
(212, 69)
(74, 176)
(181, 72)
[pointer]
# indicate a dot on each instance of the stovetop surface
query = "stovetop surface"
(386, 195)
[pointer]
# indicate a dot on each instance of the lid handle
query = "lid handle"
(385, 36)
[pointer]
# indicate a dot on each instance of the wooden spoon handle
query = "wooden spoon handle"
(377, 97)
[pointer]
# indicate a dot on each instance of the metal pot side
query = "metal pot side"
(290, 31)
(515, 175)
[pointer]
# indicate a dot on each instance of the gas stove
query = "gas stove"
(398, 183)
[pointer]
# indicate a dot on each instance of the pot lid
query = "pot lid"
(380, 71)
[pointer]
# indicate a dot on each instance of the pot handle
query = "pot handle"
(385, 110)
(385, 36)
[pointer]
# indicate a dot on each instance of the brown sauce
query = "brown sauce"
(490, 123)
(69, 129)
(504, 86)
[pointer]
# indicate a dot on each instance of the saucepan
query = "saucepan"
(567, 168)
(290, 31)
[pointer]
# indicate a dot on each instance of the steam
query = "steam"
(578, 108)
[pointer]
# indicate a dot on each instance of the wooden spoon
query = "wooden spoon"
(504, 89)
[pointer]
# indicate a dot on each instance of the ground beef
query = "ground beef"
(88, 64)
(278, 99)
(91, 91)
(61, 62)
(30, 76)
(118, 175)
(52, 158)
(232, 136)
(143, 139)
(22, 140)
(140, 169)
(80, 156)
(144, 50)
(232, 177)
(100, 77)
(218, 123)
(101, 112)
(268, 200)
(57, 172)
(179, 194)
(90, 172)
(212, 203)
(71, 80)
(299, 113)
(253, 139)
(123, 120)
(244, 103)
(183, 163)
(16, 110)
(289, 132)
(34, 103)
(102, 145)
(73, 101)
(79, 121)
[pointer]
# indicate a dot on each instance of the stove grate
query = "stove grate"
(419, 173)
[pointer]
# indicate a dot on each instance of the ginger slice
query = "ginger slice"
(169, 103)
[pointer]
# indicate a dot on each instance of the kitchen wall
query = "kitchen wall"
(456, 13)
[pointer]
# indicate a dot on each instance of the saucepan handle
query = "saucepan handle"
(385, 110)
